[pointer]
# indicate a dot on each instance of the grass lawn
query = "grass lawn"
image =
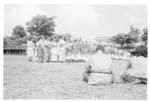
(30, 80)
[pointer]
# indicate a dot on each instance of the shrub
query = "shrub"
(141, 51)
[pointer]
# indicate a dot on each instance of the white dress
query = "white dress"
(30, 49)
(46, 44)
(54, 52)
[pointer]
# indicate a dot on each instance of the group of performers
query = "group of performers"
(46, 49)
(40, 50)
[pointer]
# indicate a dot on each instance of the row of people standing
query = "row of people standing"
(39, 50)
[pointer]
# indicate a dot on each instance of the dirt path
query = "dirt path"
(28, 80)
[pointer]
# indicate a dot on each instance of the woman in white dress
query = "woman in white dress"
(54, 51)
(30, 49)
(46, 50)
(61, 50)
(40, 50)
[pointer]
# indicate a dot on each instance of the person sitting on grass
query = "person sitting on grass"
(98, 65)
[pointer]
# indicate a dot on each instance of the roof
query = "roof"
(23, 47)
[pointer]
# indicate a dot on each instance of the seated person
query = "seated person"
(98, 63)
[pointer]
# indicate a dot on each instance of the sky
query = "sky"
(85, 21)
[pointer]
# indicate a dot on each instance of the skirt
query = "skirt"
(40, 54)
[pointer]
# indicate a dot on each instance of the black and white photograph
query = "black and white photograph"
(75, 51)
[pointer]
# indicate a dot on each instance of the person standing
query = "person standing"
(30, 49)
(40, 49)
(61, 48)
(46, 50)
(34, 49)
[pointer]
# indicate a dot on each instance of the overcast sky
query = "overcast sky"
(86, 21)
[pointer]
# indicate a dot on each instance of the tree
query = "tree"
(119, 39)
(141, 51)
(56, 37)
(144, 36)
(133, 34)
(18, 32)
(126, 39)
(41, 25)
(67, 37)
(22, 40)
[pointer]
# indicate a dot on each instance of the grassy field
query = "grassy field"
(28, 80)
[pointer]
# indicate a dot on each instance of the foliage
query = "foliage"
(18, 32)
(141, 51)
(22, 40)
(41, 25)
(119, 39)
(133, 34)
(144, 36)
(56, 37)
(67, 37)
(126, 39)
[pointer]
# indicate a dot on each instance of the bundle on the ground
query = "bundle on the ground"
(138, 71)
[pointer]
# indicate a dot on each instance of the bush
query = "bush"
(141, 51)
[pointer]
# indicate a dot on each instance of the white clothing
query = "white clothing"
(100, 62)
(30, 49)
(40, 43)
(46, 42)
